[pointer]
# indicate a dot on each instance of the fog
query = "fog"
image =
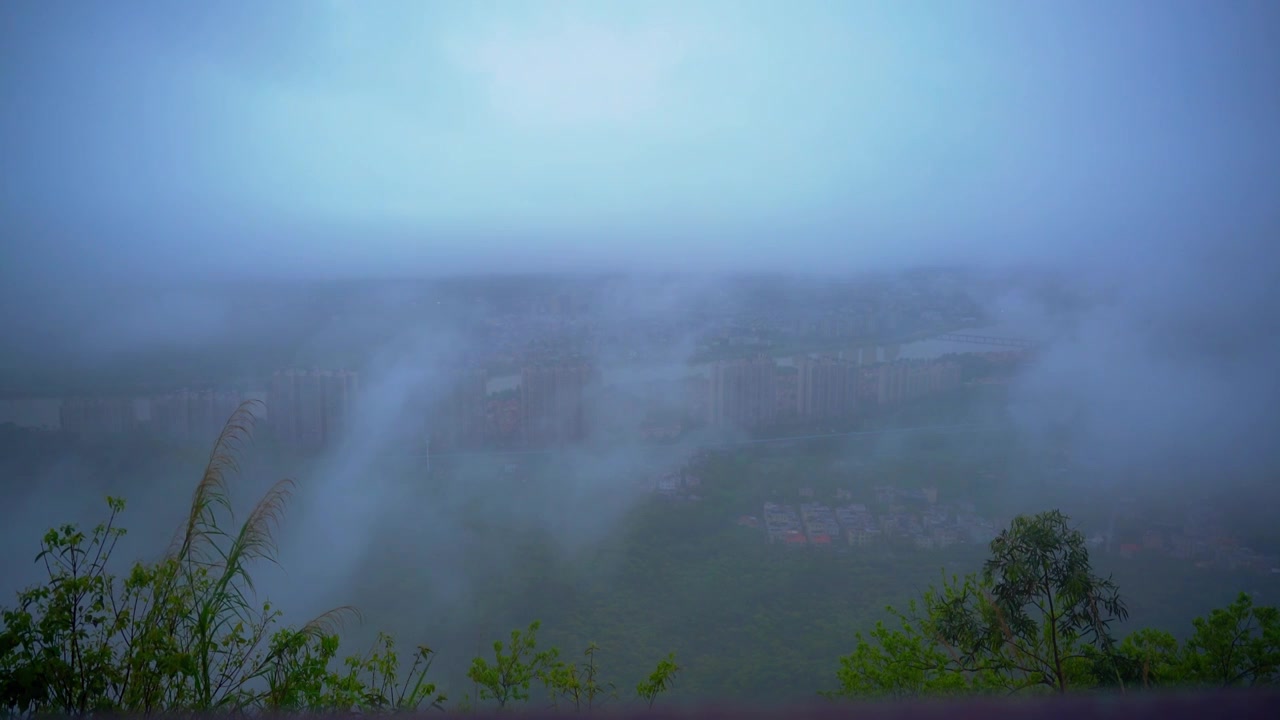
(201, 196)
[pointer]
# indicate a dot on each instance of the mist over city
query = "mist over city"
(701, 331)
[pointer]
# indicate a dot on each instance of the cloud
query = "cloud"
(564, 73)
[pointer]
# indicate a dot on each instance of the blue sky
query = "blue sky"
(331, 136)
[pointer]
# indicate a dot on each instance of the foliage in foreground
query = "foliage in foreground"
(185, 633)
(1037, 619)
(576, 686)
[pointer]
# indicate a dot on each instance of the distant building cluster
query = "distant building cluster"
(97, 417)
(554, 401)
(1201, 536)
(679, 483)
(305, 409)
(913, 517)
(311, 409)
(906, 380)
(462, 418)
(538, 333)
(552, 404)
(743, 393)
(826, 388)
(555, 398)
(197, 415)
(752, 393)
(184, 415)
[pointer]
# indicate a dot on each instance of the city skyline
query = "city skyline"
(311, 409)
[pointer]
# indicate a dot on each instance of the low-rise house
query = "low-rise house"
(917, 497)
(793, 537)
(667, 487)
(782, 523)
(820, 523)
(944, 537)
(1243, 558)
(886, 495)
(900, 525)
(860, 527)
(868, 536)
(935, 516)
(1180, 546)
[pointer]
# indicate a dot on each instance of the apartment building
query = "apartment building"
(193, 415)
(743, 393)
(459, 419)
(311, 409)
(97, 417)
(826, 388)
(554, 401)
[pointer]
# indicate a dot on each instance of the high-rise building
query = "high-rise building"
(309, 398)
(896, 382)
(169, 415)
(193, 415)
(697, 390)
(459, 420)
(208, 411)
(312, 410)
(282, 402)
(827, 388)
(743, 393)
(338, 389)
(554, 399)
(892, 383)
(97, 417)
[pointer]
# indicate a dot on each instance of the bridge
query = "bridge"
(988, 340)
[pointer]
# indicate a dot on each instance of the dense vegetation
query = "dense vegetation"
(185, 631)
(1037, 618)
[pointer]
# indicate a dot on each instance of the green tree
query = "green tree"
(1035, 617)
(903, 662)
(578, 685)
(1146, 658)
(514, 669)
(510, 677)
(1236, 645)
(184, 632)
(302, 677)
(658, 681)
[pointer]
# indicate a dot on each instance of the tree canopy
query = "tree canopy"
(1038, 619)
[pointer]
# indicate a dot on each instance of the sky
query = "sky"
(338, 137)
